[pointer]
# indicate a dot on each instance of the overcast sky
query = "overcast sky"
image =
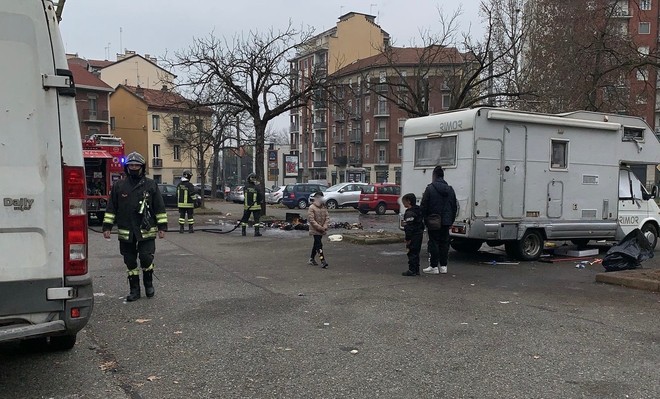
(159, 26)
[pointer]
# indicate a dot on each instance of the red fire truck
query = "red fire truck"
(104, 165)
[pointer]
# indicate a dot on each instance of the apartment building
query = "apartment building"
(92, 101)
(355, 36)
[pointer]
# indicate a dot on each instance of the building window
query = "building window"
(367, 126)
(645, 5)
(366, 152)
(112, 123)
(367, 104)
(156, 149)
(177, 152)
(402, 122)
(155, 122)
(176, 126)
(643, 74)
(446, 101)
(158, 179)
(382, 128)
(399, 150)
(382, 77)
(559, 155)
(92, 104)
(382, 154)
(644, 28)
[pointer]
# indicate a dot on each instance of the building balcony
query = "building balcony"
(382, 111)
(381, 136)
(320, 125)
(295, 129)
(621, 12)
(382, 160)
(91, 115)
(320, 105)
(156, 162)
(293, 146)
(339, 139)
(355, 161)
(175, 136)
(355, 138)
(341, 117)
(356, 116)
(341, 161)
(381, 88)
(320, 164)
(320, 143)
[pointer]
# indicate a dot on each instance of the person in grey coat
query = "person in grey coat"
(318, 219)
(439, 208)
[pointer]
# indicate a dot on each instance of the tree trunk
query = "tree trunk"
(260, 143)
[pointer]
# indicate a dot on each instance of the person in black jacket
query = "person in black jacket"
(413, 226)
(137, 207)
(186, 196)
(439, 208)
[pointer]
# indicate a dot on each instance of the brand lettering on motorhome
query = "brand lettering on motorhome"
(451, 125)
(19, 204)
(629, 220)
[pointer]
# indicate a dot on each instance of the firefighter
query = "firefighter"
(251, 204)
(186, 196)
(137, 207)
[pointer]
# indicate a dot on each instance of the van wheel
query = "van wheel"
(302, 204)
(62, 342)
(331, 204)
(466, 245)
(580, 242)
(381, 209)
(651, 234)
(530, 246)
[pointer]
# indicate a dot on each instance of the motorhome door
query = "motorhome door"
(513, 171)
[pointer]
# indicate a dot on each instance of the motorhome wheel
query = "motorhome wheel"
(530, 246)
(651, 234)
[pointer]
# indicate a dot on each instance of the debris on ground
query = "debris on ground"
(629, 253)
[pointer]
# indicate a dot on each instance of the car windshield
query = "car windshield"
(368, 189)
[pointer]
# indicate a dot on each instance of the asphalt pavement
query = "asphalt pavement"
(246, 317)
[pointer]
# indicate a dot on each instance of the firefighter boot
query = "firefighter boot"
(256, 231)
(134, 283)
(148, 279)
(181, 228)
(243, 231)
(191, 229)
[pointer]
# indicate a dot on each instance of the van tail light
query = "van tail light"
(75, 221)
(292, 196)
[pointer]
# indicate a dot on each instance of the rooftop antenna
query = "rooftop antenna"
(107, 51)
(121, 47)
(137, 74)
(371, 8)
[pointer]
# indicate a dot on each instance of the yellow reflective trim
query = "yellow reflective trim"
(133, 272)
(150, 268)
(109, 218)
(161, 215)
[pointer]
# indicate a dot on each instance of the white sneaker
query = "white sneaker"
(432, 270)
(443, 269)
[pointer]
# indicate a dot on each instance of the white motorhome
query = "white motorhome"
(45, 288)
(523, 178)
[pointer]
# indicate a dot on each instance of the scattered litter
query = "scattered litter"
(142, 320)
(99, 294)
(393, 253)
(572, 250)
(326, 324)
(380, 231)
(288, 349)
(111, 365)
(301, 294)
(228, 214)
(335, 237)
(464, 324)
(262, 277)
(175, 382)
(153, 378)
(494, 263)
(495, 324)
(536, 357)
(471, 285)
(354, 351)
(178, 332)
(504, 302)
(629, 253)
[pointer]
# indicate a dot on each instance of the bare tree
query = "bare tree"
(252, 72)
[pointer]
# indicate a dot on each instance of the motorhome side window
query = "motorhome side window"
(633, 134)
(559, 154)
(630, 187)
(435, 151)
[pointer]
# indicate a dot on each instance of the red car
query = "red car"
(380, 198)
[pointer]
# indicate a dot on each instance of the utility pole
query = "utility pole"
(238, 151)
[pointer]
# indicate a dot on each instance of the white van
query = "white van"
(45, 287)
(522, 178)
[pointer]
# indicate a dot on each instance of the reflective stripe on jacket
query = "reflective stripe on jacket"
(252, 199)
(185, 194)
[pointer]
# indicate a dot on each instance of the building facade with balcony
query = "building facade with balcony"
(92, 101)
(366, 123)
(151, 122)
(355, 36)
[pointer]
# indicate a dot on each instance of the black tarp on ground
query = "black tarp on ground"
(628, 253)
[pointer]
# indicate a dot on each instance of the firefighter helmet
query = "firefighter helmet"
(252, 178)
(187, 174)
(135, 158)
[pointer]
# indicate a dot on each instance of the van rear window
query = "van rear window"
(435, 151)
(368, 189)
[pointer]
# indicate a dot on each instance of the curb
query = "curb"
(373, 239)
(632, 279)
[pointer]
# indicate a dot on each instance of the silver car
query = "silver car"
(342, 194)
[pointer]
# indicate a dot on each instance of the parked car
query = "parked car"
(342, 194)
(236, 195)
(380, 197)
(269, 196)
(277, 195)
(168, 192)
(297, 195)
(207, 190)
